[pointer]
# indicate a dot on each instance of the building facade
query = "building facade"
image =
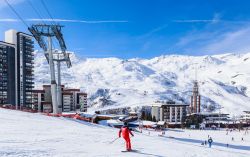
(74, 93)
(169, 112)
(7, 73)
(38, 99)
(245, 118)
(72, 99)
(67, 101)
(17, 66)
(82, 101)
(25, 72)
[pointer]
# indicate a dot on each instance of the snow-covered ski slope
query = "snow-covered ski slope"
(34, 135)
(112, 82)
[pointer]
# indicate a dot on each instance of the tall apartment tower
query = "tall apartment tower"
(20, 69)
(195, 99)
(7, 73)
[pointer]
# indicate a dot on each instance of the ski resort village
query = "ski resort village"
(56, 102)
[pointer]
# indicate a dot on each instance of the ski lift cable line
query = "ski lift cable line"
(36, 10)
(47, 10)
(39, 15)
(18, 15)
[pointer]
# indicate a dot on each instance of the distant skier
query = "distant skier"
(232, 138)
(210, 141)
(125, 131)
(205, 142)
(246, 132)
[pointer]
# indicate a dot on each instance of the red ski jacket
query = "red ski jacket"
(125, 132)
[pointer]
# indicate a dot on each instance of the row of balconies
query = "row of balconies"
(29, 41)
(29, 45)
(3, 70)
(29, 60)
(3, 51)
(3, 56)
(28, 82)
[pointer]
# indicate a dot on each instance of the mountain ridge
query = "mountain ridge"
(224, 80)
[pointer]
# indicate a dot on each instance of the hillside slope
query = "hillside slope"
(111, 82)
(28, 135)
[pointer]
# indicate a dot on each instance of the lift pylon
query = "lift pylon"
(40, 31)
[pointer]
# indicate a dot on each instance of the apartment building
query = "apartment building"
(72, 99)
(169, 112)
(16, 68)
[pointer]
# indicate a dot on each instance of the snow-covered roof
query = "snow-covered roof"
(160, 104)
(111, 115)
(144, 122)
(114, 122)
(161, 123)
(88, 115)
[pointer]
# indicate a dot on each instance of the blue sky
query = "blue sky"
(141, 28)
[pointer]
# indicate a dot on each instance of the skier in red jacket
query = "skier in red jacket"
(125, 131)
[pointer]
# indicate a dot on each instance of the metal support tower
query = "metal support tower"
(40, 31)
(59, 57)
(59, 86)
(53, 78)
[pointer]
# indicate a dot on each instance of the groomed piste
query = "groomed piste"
(32, 134)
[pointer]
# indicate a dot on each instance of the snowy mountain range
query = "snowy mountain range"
(224, 80)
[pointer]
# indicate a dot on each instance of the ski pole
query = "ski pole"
(114, 140)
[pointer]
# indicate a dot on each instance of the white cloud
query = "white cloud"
(9, 20)
(214, 41)
(62, 20)
(79, 21)
(193, 21)
(215, 19)
(217, 36)
(234, 41)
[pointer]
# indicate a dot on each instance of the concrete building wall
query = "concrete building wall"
(10, 36)
(170, 113)
(67, 100)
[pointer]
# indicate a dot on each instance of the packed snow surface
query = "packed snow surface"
(28, 135)
(224, 80)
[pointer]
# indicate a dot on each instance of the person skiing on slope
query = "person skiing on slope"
(125, 131)
(210, 141)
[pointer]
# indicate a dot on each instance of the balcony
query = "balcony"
(29, 83)
(29, 41)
